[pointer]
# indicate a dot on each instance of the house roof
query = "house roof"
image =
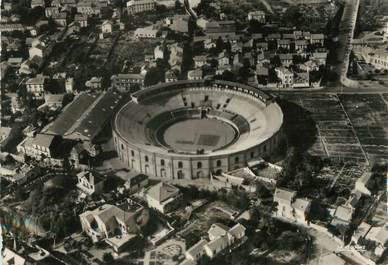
(318, 36)
(108, 214)
(129, 76)
(92, 177)
(71, 114)
(285, 56)
(382, 235)
(301, 42)
(364, 179)
(12, 258)
(44, 140)
(237, 229)
(217, 243)
(86, 116)
(39, 79)
(217, 230)
(284, 195)
(244, 173)
(344, 213)
(162, 191)
(197, 248)
(301, 204)
(4, 132)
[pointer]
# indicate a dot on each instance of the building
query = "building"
(317, 39)
(5, 133)
(257, 15)
(81, 19)
(116, 225)
(43, 147)
(179, 23)
(79, 157)
(9, 27)
(127, 82)
(139, 6)
(135, 182)
(38, 50)
(60, 19)
(85, 119)
(199, 61)
(241, 177)
(291, 208)
(362, 183)
(37, 3)
(146, 32)
(69, 85)
(286, 59)
(90, 182)
(36, 86)
(10, 257)
(286, 77)
(182, 157)
(158, 52)
(163, 197)
(107, 27)
(51, 11)
(53, 101)
(301, 45)
(197, 251)
(377, 57)
(220, 236)
(90, 7)
(301, 80)
(170, 76)
(284, 44)
(342, 216)
(196, 74)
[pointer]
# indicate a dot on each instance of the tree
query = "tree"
(107, 257)
(154, 76)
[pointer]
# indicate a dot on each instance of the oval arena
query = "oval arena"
(190, 129)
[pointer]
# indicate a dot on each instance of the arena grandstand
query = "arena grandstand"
(189, 129)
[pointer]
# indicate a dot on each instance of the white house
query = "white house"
(197, 251)
(362, 183)
(146, 32)
(196, 74)
(257, 15)
(289, 207)
(285, 76)
(36, 86)
(138, 6)
(158, 52)
(90, 182)
(38, 50)
(163, 197)
(220, 238)
(113, 224)
(107, 27)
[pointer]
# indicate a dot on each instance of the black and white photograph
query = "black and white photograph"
(194, 132)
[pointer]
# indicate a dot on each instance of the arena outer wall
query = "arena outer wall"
(161, 164)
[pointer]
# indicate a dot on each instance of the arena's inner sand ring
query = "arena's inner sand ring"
(194, 134)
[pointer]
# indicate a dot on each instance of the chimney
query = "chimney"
(91, 178)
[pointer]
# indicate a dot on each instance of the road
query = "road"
(345, 37)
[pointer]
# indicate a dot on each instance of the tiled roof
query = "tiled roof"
(162, 191)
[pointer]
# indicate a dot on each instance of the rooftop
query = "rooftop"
(162, 192)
